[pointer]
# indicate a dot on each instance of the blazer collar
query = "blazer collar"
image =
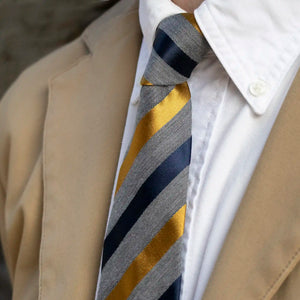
(96, 32)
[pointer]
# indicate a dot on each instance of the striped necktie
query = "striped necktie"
(142, 254)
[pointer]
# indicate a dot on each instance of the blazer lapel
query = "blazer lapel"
(263, 244)
(83, 131)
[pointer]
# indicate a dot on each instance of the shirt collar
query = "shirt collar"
(151, 12)
(256, 41)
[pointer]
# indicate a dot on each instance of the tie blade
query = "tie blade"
(142, 256)
(153, 186)
(148, 226)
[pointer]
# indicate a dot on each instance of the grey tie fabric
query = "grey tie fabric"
(143, 252)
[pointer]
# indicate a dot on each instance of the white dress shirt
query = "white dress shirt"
(236, 94)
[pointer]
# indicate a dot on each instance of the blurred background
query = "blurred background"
(30, 29)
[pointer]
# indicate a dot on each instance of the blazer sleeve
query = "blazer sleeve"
(22, 114)
(23, 111)
(3, 173)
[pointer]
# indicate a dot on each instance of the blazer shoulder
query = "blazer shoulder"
(32, 83)
(29, 92)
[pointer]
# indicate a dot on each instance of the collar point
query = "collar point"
(258, 105)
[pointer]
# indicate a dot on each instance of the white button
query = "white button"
(135, 100)
(258, 88)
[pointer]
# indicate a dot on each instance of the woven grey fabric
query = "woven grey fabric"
(154, 95)
(160, 73)
(185, 37)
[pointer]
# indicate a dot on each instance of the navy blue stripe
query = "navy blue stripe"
(173, 292)
(172, 54)
(154, 184)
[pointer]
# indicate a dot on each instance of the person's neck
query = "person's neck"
(188, 5)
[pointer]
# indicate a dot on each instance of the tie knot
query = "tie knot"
(178, 47)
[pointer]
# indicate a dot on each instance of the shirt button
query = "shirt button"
(135, 100)
(258, 88)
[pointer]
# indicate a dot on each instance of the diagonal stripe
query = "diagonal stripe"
(151, 95)
(172, 54)
(185, 36)
(159, 73)
(147, 226)
(160, 146)
(173, 292)
(161, 114)
(157, 181)
(147, 259)
(161, 276)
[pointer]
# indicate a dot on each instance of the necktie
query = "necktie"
(142, 253)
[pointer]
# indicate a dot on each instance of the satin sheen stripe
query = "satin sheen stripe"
(192, 20)
(157, 181)
(153, 95)
(155, 283)
(148, 258)
(144, 81)
(159, 73)
(173, 292)
(172, 54)
(161, 114)
(190, 34)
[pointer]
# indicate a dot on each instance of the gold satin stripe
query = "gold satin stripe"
(152, 122)
(150, 256)
(144, 81)
(192, 20)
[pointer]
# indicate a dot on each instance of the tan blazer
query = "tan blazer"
(61, 125)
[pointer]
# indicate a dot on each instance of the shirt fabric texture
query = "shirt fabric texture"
(236, 92)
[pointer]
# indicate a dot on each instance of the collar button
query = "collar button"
(258, 88)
